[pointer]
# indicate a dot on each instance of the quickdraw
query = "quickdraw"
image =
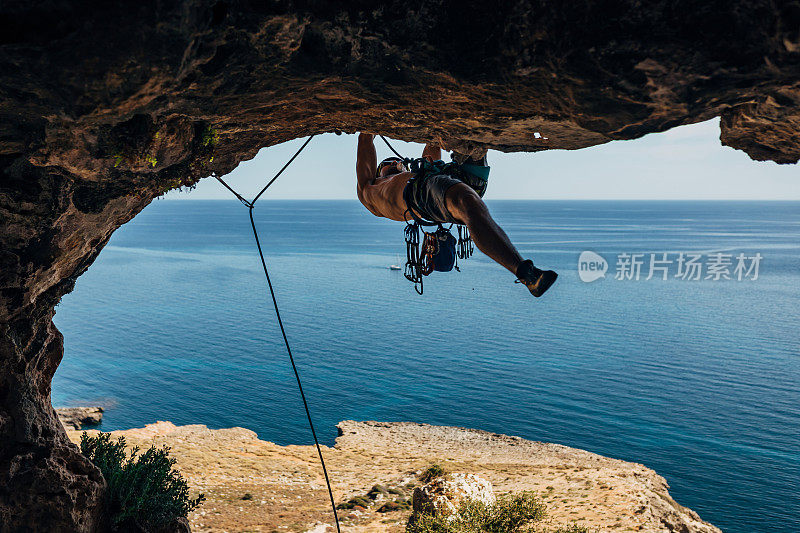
(465, 246)
(414, 268)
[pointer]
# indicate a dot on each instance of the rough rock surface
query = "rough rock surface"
(78, 417)
(106, 105)
(444, 495)
(287, 490)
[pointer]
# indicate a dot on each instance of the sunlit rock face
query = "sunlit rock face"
(106, 105)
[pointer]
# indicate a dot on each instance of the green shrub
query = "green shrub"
(425, 523)
(388, 507)
(361, 501)
(377, 490)
(432, 473)
(143, 490)
(510, 514)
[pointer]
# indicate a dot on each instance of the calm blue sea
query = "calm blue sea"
(699, 380)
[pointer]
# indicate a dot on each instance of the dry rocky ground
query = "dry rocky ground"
(257, 486)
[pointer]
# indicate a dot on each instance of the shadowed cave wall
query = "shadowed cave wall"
(105, 106)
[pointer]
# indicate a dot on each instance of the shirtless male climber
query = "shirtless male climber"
(444, 199)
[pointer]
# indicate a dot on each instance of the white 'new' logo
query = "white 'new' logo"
(591, 266)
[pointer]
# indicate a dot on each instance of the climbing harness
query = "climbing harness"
(438, 250)
(250, 206)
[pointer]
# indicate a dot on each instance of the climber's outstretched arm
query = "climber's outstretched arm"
(366, 163)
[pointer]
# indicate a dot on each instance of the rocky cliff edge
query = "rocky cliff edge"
(253, 484)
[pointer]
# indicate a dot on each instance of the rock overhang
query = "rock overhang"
(104, 107)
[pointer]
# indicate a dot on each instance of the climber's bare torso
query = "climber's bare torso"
(384, 196)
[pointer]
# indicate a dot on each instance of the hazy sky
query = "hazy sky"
(684, 163)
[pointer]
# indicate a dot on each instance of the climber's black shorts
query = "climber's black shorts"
(427, 197)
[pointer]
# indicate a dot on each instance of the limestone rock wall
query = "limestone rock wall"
(106, 105)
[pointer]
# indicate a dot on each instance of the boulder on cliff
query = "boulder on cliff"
(444, 495)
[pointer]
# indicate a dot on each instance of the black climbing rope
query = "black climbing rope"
(251, 205)
(393, 150)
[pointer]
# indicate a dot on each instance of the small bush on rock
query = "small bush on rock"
(144, 490)
(432, 473)
(510, 514)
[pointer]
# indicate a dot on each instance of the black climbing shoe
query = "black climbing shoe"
(537, 281)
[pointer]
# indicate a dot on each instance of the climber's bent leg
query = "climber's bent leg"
(469, 209)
